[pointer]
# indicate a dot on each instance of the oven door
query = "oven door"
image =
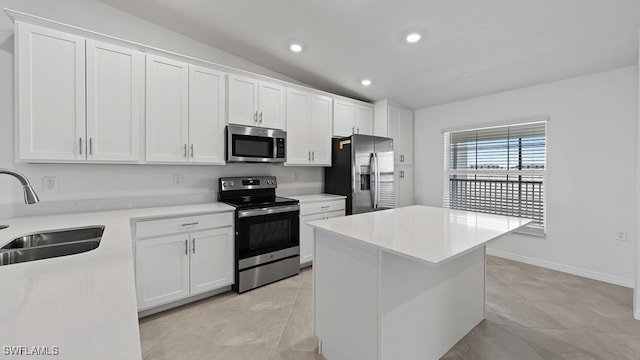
(268, 234)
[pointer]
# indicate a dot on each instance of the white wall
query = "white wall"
(591, 169)
(85, 187)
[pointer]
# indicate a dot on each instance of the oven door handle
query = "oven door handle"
(267, 211)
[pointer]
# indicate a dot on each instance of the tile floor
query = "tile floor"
(531, 313)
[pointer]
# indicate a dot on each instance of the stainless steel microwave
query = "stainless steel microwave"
(253, 144)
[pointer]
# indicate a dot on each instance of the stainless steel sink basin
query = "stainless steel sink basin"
(51, 244)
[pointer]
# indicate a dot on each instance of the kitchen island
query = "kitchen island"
(405, 283)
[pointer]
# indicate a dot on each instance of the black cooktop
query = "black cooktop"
(252, 203)
(251, 192)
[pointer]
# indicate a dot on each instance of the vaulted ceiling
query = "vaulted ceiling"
(468, 48)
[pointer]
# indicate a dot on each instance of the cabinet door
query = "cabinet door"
(406, 131)
(401, 130)
(167, 110)
(344, 115)
(403, 184)
(298, 147)
(306, 237)
(115, 98)
(50, 70)
(162, 270)
(212, 254)
(364, 120)
(242, 100)
(320, 111)
(395, 132)
(206, 115)
(271, 108)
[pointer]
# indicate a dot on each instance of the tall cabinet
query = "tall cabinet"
(394, 121)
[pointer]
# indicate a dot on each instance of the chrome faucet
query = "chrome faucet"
(30, 196)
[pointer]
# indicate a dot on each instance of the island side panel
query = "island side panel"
(345, 291)
(426, 309)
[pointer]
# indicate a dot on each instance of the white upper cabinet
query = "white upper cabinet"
(308, 128)
(351, 118)
(401, 130)
(256, 103)
(185, 112)
(115, 99)
(364, 119)
(344, 115)
(320, 111)
(50, 71)
(167, 109)
(206, 115)
(64, 116)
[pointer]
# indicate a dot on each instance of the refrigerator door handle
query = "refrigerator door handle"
(377, 180)
(373, 163)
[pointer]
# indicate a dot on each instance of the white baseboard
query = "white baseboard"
(636, 315)
(567, 269)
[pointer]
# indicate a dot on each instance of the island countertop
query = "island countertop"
(427, 234)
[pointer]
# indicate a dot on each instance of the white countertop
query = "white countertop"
(423, 233)
(84, 304)
(317, 198)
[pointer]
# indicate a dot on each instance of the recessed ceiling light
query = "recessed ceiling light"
(413, 38)
(295, 47)
(365, 82)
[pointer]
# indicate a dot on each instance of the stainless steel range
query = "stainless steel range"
(267, 230)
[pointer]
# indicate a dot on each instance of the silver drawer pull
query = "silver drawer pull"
(189, 224)
(193, 245)
(325, 207)
(186, 247)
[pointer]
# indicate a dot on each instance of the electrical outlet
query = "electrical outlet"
(621, 235)
(49, 183)
(178, 179)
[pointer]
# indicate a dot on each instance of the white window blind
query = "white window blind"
(498, 170)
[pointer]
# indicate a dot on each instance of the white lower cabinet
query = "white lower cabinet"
(315, 211)
(193, 261)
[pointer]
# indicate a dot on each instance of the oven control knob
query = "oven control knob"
(224, 184)
(230, 183)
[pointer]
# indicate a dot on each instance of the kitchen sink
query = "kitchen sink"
(51, 244)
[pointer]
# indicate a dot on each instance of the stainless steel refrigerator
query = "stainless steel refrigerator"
(362, 170)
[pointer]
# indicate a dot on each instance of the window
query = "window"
(498, 170)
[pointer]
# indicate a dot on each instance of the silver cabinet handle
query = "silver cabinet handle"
(185, 151)
(309, 156)
(189, 224)
(80, 147)
(358, 129)
(255, 116)
(193, 245)
(192, 150)
(90, 146)
(313, 156)
(353, 129)
(260, 117)
(325, 207)
(186, 247)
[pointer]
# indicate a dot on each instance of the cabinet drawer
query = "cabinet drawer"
(322, 207)
(182, 224)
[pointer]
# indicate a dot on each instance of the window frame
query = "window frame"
(541, 173)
